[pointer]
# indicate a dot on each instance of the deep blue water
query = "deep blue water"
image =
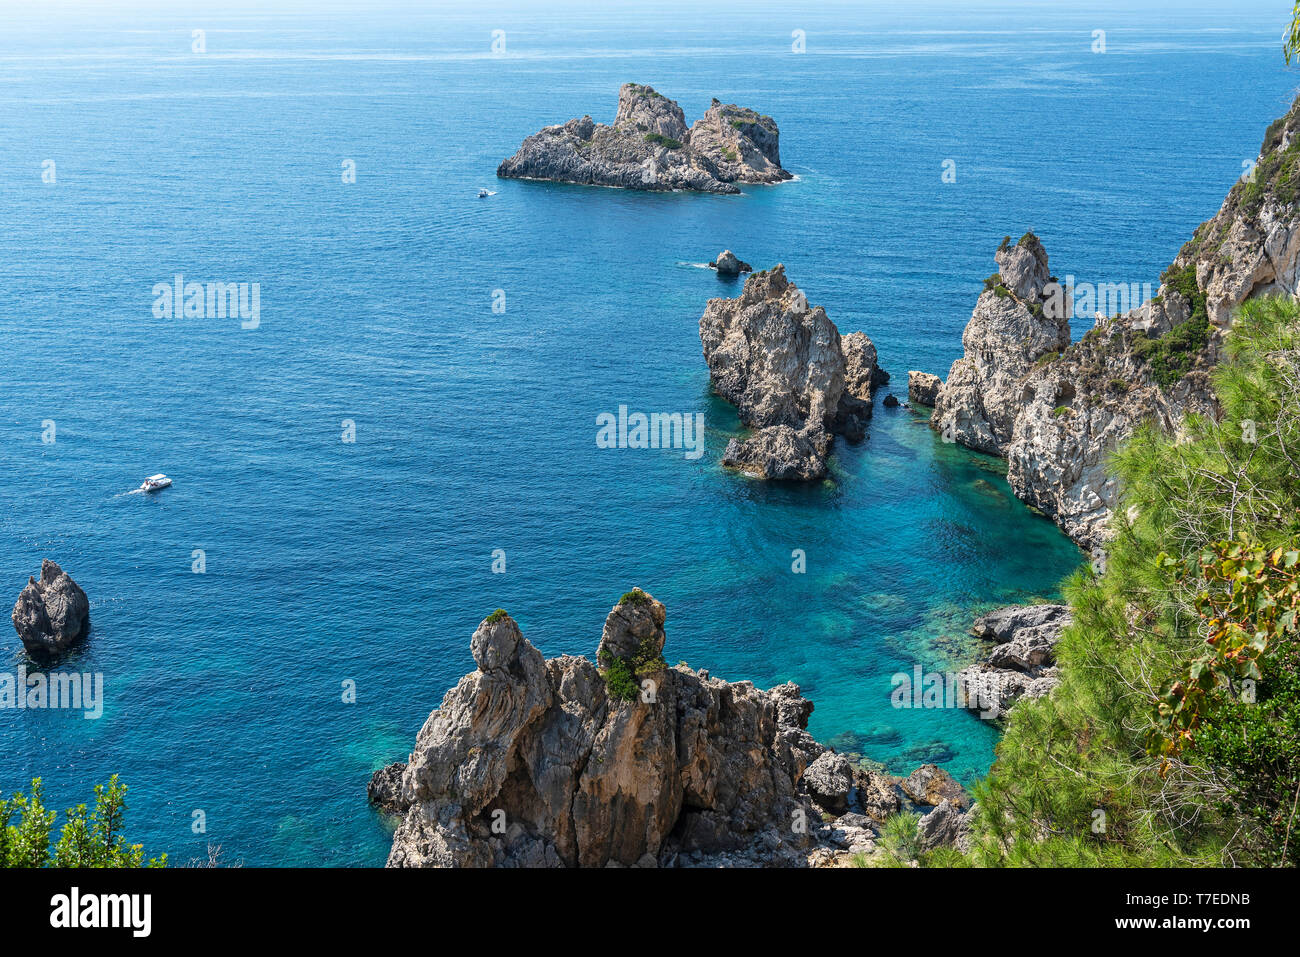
(371, 562)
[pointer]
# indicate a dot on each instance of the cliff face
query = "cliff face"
(562, 763)
(1078, 409)
(1252, 245)
(649, 147)
(1013, 325)
(793, 379)
(1057, 411)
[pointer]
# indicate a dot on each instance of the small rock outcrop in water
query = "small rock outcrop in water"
(922, 387)
(793, 379)
(728, 265)
(649, 147)
(385, 788)
(51, 615)
(1022, 660)
(536, 763)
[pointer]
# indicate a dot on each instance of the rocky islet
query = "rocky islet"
(649, 147)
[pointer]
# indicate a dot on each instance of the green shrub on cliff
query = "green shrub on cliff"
(1172, 355)
(1077, 780)
(87, 839)
(665, 141)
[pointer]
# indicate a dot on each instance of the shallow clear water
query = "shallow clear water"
(371, 561)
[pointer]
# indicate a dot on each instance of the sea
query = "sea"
(398, 433)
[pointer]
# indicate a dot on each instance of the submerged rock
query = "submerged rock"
(793, 379)
(649, 147)
(51, 615)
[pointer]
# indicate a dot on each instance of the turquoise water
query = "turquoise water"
(371, 562)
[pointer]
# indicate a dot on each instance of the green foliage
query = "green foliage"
(1060, 410)
(1074, 783)
(87, 839)
(634, 597)
(498, 615)
(1256, 747)
(1172, 355)
(620, 678)
(1250, 606)
(1047, 357)
(898, 839)
(993, 282)
(665, 141)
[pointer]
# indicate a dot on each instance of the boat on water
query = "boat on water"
(482, 194)
(155, 482)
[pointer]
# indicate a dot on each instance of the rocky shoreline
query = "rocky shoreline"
(1022, 660)
(649, 147)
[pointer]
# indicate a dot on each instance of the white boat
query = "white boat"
(482, 194)
(154, 482)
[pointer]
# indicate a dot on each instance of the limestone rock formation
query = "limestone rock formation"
(562, 763)
(1058, 422)
(51, 615)
(1251, 247)
(931, 785)
(1077, 409)
(923, 388)
(793, 379)
(728, 265)
(1013, 325)
(385, 788)
(1022, 660)
(649, 147)
(945, 826)
(779, 453)
(579, 776)
(738, 144)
